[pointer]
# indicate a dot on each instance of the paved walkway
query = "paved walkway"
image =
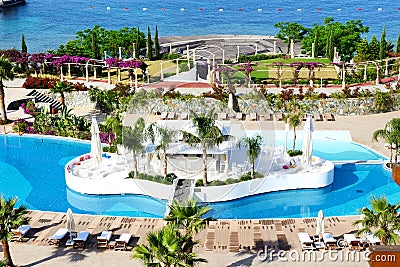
(223, 242)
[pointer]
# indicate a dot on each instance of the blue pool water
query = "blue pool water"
(32, 168)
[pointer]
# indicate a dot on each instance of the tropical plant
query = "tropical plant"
(62, 87)
(207, 136)
(164, 137)
(391, 135)
(132, 138)
(167, 248)
(253, 145)
(294, 119)
(382, 220)
(6, 73)
(188, 216)
(11, 217)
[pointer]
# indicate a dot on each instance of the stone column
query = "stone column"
(108, 76)
(343, 77)
(177, 66)
(377, 74)
(69, 70)
(87, 73)
(256, 52)
(188, 56)
(136, 81)
(161, 71)
(238, 53)
(313, 50)
(274, 51)
(386, 67)
(291, 49)
(365, 72)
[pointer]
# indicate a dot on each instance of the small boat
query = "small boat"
(8, 3)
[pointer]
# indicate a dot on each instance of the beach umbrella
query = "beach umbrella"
(70, 224)
(320, 224)
(95, 147)
(307, 142)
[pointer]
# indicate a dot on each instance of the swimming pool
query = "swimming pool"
(32, 168)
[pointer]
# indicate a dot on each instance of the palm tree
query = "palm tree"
(383, 218)
(164, 136)
(188, 215)
(10, 218)
(294, 120)
(167, 247)
(61, 88)
(207, 136)
(6, 73)
(391, 135)
(253, 145)
(132, 138)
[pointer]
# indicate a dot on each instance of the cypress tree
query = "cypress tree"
(137, 44)
(398, 44)
(329, 45)
(382, 45)
(149, 50)
(24, 48)
(156, 45)
(95, 47)
(373, 48)
(316, 44)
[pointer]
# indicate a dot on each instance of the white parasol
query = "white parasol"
(70, 224)
(307, 141)
(320, 224)
(96, 148)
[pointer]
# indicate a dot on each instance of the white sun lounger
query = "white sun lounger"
(373, 239)
(21, 231)
(306, 241)
(329, 240)
(122, 241)
(80, 240)
(353, 242)
(58, 236)
(103, 239)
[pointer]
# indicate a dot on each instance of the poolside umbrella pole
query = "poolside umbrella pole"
(307, 142)
(320, 229)
(70, 225)
(95, 147)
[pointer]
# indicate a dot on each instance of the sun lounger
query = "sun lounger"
(353, 242)
(20, 232)
(222, 116)
(329, 240)
(103, 239)
(268, 117)
(58, 237)
(306, 241)
(122, 241)
(171, 116)
(373, 240)
(184, 116)
(329, 117)
(253, 116)
(163, 115)
(279, 116)
(318, 117)
(239, 116)
(80, 240)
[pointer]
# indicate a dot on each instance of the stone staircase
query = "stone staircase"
(42, 100)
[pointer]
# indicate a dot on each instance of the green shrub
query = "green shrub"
(217, 183)
(199, 182)
(170, 177)
(171, 56)
(258, 175)
(154, 178)
(231, 181)
(293, 153)
(245, 177)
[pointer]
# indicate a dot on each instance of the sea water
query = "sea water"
(48, 23)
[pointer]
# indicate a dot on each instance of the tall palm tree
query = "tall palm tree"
(188, 215)
(207, 136)
(6, 73)
(253, 145)
(132, 138)
(60, 88)
(164, 136)
(294, 119)
(10, 218)
(169, 248)
(383, 218)
(391, 135)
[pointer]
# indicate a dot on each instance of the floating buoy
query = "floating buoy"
(144, 9)
(259, 10)
(379, 9)
(280, 9)
(126, 8)
(299, 9)
(201, 9)
(221, 9)
(182, 9)
(240, 9)
(90, 7)
(339, 9)
(108, 8)
(163, 9)
(398, 8)
(359, 8)
(318, 9)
